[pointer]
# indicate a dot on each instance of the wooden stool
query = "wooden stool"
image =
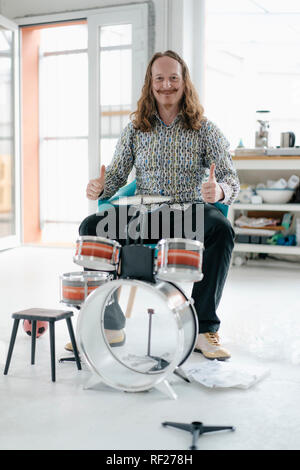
(42, 314)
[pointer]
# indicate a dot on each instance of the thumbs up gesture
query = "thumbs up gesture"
(211, 190)
(96, 186)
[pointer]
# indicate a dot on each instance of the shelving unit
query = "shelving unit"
(257, 169)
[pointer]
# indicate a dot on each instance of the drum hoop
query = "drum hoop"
(176, 270)
(83, 275)
(157, 199)
(180, 240)
(91, 238)
(105, 267)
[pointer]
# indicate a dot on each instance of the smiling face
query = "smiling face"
(167, 81)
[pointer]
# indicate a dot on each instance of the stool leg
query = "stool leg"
(11, 344)
(52, 349)
(33, 340)
(73, 341)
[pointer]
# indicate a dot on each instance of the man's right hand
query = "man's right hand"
(96, 186)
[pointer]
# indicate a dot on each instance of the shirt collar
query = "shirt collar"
(179, 116)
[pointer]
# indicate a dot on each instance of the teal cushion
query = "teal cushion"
(222, 207)
(126, 191)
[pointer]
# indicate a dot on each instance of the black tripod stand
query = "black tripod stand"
(196, 428)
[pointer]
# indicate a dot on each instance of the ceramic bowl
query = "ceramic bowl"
(275, 196)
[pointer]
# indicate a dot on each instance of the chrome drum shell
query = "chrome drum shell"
(176, 334)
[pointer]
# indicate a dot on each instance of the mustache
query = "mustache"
(168, 91)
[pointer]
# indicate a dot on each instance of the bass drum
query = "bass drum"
(160, 333)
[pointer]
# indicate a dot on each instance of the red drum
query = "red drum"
(75, 287)
(97, 253)
(179, 259)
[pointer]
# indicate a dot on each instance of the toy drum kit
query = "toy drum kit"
(160, 325)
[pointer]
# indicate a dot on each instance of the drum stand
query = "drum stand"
(196, 428)
(95, 383)
(161, 363)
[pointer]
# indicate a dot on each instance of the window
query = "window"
(252, 50)
(7, 160)
(63, 109)
(115, 85)
(88, 74)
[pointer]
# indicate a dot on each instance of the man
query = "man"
(172, 147)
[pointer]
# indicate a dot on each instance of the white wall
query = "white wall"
(178, 24)
(15, 9)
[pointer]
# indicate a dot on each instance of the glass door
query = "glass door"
(9, 135)
(118, 56)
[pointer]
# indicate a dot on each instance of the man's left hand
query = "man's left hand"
(211, 190)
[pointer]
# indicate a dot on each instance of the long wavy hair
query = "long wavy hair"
(191, 109)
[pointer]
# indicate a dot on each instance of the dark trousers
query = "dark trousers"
(218, 246)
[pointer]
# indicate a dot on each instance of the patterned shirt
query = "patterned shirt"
(172, 161)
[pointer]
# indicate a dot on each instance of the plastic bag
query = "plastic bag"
(217, 374)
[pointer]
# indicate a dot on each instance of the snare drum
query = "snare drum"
(97, 253)
(75, 287)
(179, 259)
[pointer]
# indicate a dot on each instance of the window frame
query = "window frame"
(13, 240)
(136, 14)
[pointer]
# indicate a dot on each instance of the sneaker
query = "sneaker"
(69, 347)
(115, 338)
(208, 344)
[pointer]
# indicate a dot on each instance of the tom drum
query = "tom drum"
(97, 253)
(76, 286)
(179, 259)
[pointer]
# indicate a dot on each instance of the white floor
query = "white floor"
(260, 314)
